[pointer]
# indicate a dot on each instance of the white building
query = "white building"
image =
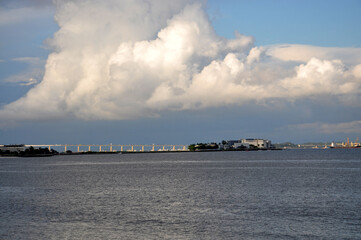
(247, 143)
(13, 148)
(260, 143)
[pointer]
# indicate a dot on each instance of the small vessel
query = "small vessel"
(347, 144)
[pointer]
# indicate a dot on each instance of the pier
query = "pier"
(113, 147)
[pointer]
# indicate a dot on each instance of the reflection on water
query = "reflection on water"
(221, 195)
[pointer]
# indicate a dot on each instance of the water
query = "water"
(293, 194)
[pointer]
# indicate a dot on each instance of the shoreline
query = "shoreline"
(199, 151)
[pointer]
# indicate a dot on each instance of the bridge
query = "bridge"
(113, 147)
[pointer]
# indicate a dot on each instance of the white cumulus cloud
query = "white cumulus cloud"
(304, 53)
(137, 58)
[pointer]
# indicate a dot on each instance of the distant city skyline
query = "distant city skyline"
(181, 72)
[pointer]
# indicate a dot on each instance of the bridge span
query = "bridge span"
(113, 147)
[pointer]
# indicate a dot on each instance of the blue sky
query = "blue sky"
(264, 83)
(320, 23)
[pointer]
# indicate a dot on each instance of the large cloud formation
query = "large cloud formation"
(136, 58)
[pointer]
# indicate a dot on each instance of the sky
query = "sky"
(179, 72)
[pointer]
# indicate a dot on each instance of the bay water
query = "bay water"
(289, 194)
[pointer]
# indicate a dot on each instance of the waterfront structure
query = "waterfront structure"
(347, 144)
(247, 144)
(260, 143)
(13, 148)
(112, 147)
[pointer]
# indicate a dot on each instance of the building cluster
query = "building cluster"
(249, 143)
(21, 150)
(13, 148)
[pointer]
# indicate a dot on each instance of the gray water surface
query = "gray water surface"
(293, 194)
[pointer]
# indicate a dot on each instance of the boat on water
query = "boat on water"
(347, 144)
